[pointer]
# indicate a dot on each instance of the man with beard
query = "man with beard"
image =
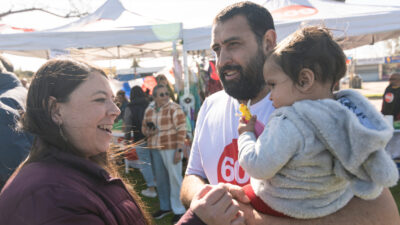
(242, 36)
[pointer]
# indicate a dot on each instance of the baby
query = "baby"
(319, 148)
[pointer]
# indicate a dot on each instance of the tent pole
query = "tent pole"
(187, 99)
(186, 73)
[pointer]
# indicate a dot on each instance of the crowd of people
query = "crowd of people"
(320, 158)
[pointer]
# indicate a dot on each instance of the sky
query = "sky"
(151, 8)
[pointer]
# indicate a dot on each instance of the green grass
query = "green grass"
(396, 195)
(136, 178)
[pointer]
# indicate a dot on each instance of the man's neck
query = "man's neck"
(260, 96)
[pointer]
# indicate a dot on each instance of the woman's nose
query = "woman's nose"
(114, 110)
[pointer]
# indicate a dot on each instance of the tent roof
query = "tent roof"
(112, 31)
(352, 24)
(108, 33)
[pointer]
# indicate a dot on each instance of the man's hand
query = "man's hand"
(247, 125)
(191, 185)
(215, 205)
(237, 192)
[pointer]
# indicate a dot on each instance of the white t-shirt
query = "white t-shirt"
(214, 153)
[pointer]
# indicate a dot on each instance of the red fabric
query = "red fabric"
(149, 82)
(131, 155)
(259, 204)
(213, 73)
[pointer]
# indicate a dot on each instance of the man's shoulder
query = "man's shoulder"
(14, 97)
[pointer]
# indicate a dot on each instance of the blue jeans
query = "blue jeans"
(168, 180)
(162, 181)
(145, 165)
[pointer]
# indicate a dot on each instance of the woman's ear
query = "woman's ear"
(269, 41)
(54, 109)
(306, 79)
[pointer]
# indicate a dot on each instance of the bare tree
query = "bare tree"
(75, 8)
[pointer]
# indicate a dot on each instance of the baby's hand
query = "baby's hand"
(247, 125)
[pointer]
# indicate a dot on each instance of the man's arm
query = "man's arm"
(191, 184)
(380, 211)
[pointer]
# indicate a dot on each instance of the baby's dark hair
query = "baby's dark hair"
(311, 47)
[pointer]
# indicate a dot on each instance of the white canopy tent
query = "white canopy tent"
(111, 32)
(353, 25)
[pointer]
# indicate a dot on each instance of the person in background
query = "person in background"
(133, 117)
(391, 97)
(15, 143)
(121, 102)
(242, 36)
(317, 145)
(164, 125)
(161, 79)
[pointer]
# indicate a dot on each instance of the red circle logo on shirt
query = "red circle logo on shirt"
(229, 170)
(389, 97)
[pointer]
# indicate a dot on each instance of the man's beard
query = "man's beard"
(251, 79)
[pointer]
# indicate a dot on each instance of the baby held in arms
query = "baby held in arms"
(319, 148)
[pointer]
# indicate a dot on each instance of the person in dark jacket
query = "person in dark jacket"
(133, 117)
(391, 97)
(68, 178)
(15, 144)
(121, 102)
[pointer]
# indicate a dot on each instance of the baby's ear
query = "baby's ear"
(306, 79)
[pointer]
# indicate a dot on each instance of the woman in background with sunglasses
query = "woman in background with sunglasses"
(161, 79)
(164, 125)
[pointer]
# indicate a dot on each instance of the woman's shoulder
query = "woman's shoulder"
(43, 175)
(35, 176)
(40, 192)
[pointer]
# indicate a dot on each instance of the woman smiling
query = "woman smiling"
(67, 177)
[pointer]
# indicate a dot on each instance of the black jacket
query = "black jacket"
(133, 117)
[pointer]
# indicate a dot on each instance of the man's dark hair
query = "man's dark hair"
(7, 64)
(257, 16)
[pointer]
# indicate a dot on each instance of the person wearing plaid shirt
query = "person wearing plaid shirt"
(164, 125)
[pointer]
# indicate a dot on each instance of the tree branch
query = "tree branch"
(71, 14)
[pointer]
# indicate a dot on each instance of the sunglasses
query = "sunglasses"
(162, 94)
